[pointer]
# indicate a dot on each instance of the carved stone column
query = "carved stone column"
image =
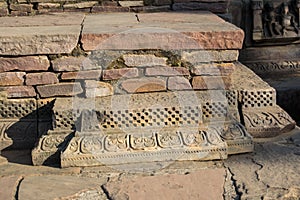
(257, 6)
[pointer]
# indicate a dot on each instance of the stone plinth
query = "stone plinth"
(160, 31)
(39, 34)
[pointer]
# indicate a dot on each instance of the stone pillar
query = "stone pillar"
(257, 6)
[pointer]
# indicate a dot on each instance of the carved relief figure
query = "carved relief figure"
(288, 22)
(271, 24)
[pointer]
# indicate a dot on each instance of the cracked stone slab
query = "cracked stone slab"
(65, 187)
(45, 34)
(159, 31)
(205, 184)
(8, 186)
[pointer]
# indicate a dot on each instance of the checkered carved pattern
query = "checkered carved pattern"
(17, 109)
(253, 99)
(150, 117)
(231, 97)
(214, 109)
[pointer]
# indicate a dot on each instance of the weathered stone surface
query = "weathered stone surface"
(65, 187)
(198, 185)
(60, 89)
(114, 74)
(213, 69)
(20, 91)
(144, 60)
(131, 3)
(179, 83)
(203, 56)
(38, 39)
(3, 161)
(43, 78)
(92, 74)
(55, 19)
(21, 7)
(80, 5)
(166, 71)
(211, 82)
(73, 64)
(11, 78)
(97, 9)
(27, 63)
(97, 89)
(169, 34)
(219, 7)
(267, 122)
(44, 6)
(144, 85)
(8, 186)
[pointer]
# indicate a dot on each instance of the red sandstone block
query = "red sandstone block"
(179, 83)
(60, 89)
(211, 82)
(20, 91)
(26, 63)
(114, 74)
(43, 78)
(144, 60)
(92, 74)
(213, 69)
(21, 7)
(73, 64)
(166, 71)
(12, 78)
(144, 85)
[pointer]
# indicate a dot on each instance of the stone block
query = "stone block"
(211, 82)
(38, 39)
(97, 89)
(60, 89)
(144, 85)
(219, 7)
(144, 60)
(172, 186)
(267, 122)
(97, 9)
(167, 71)
(11, 78)
(43, 78)
(150, 9)
(26, 63)
(73, 64)
(48, 6)
(114, 74)
(21, 7)
(55, 19)
(92, 74)
(80, 5)
(179, 83)
(131, 3)
(207, 56)
(20, 91)
(168, 35)
(213, 69)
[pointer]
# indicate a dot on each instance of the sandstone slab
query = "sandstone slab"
(11, 78)
(204, 184)
(43, 78)
(131, 3)
(114, 74)
(8, 187)
(207, 56)
(20, 91)
(179, 83)
(160, 31)
(213, 69)
(97, 89)
(167, 71)
(73, 64)
(144, 85)
(38, 39)
(60, 89)
(27, 63)
(65, 187)
(91, 74)
(211, 82)
(144, 60)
